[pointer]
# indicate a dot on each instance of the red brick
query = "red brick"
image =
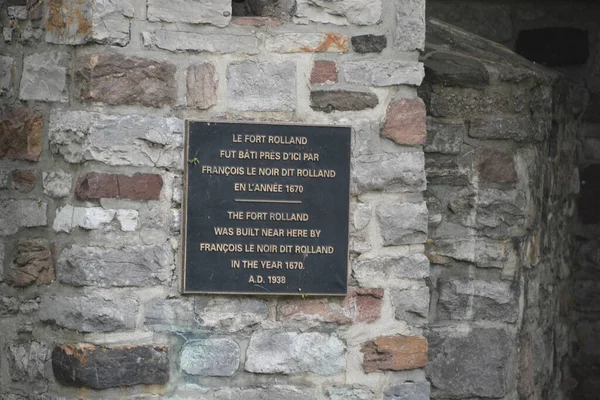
(323, 72)
(360, 305)
(23, 180)
(395, 353)
(405, 122)
(21, 134)
(495, 166)
(113, 186)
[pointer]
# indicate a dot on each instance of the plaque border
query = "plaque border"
(184, 210)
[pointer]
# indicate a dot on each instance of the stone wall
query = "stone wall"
(501, 163)
(94, 94)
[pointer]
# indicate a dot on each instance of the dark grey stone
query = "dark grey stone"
(342, 100)
(451, 69)
(369, 43)
(26, 362)
(408, 391)
(444, 138)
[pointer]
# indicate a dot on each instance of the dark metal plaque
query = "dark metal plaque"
(266, 209)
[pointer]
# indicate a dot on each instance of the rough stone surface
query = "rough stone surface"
(116, 79)
(6, 75)
(128, 220)
(451, 69)
(292, 353)
(410, 25)
(112, 186)
(223, 314)
(69, 217)
(44, 77)
(26, 213)
(386, 270)
(68, 22)
(404, 223)
(444, 138)
(26, 362)
(457, 368)
(496, 166)
(408, 391)
(214, 12)
(89, 314)
(32, 264)
(377, 72)
(482, 252)
(405, 122)
(323, 72)
(211, 357)
(394, 353)
(369, 43)
(339, 13)
(21, 134)
(117, 140)
(23, 180)
(263, 86)
(350, 393)
(177, 41)
(342, 100)
(172, 315)
(85, 365)
(8, 306)
(400, 172)
(57, 184)
(360, 305)
(266, 393)
(411, 305)
(118, 267)
(202, 83)
(307, 43)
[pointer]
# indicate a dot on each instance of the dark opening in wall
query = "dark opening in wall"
(281, 9)
(554, 47)
(589, 213)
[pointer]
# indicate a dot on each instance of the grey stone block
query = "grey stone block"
(358, 12)
(25, 213)
(411, 305)
(115, 267)
(408, 391)
(44, 77)
(226, 314)
(387, 270)
(350, 393)
(178, 41)
(410, 25)
(378, 72)
(57, 184)
(253, 86)
(26, 362)
(404, 223)
(172, 315)
(6, 75)
(8, 305)
(293, 353)
(266, 393)
(400, 172)
(455, 70)
(342, 100)
(89, 314)
(210, 357)
(444, 138)
(214, 12)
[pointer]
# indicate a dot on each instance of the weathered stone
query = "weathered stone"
(44, 77)
(369, 43)
(405, 122)
(115, 267)
(175, 221)
(69, 217)
(484, 253)
(214, 12)
(57, 184)
(34, 8)
(292, 353)
(23, 180)
(350, 393)
(387, 270)
(8, 305)
(256, 21)
(26, 362)
(517, 128)
(339, 13)
(137, 187)
(210, 357)
(342, 100)
(360, 305)
(7, 34)
(457, 368)
(408, 391)
(495, 166)
(323, 72)
(86, 365)
(89, 314)
(68, 22)
(401, 172)
(172, 315)
(307, 43)
(6, 75)
(17, 12)
(410, 25)
(451, 69)
(444, 138)
(253, 86)
(411, 305)
(178, 41)
(202, 83)
(403, 223)
(477, 300)
(117, 140)
(21, 134)
(111, 21)
(5, 177)
(26, 213)
(32, 264)
(128, 220)
(115, 79)
(266, 393)
(394, 353)
(377, 72)
(223, 314)
(31, 36)
(586, 295)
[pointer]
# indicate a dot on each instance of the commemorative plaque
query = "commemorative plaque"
(266, 209)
